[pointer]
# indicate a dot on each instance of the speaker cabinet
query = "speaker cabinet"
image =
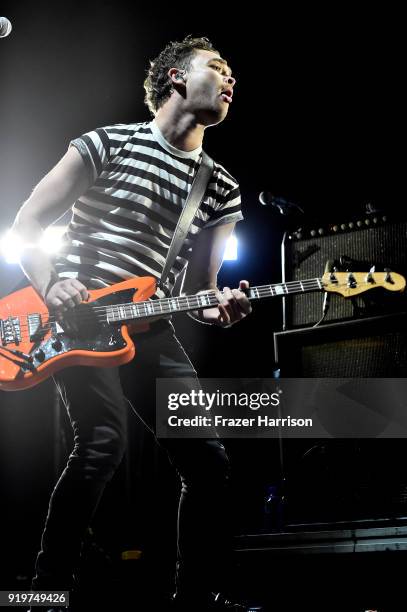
(337, 480)
(372, 347)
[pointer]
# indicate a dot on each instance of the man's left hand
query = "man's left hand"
(234, 305)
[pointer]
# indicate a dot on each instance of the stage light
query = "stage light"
(231, 249)
(11, 246)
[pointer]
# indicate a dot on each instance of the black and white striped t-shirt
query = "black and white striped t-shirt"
(122, 226)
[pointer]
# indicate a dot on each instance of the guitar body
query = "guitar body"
(28, 329)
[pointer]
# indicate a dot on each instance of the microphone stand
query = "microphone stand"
(291, 212)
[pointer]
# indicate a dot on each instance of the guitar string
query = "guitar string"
(92, 312)
(183, 302)
(99, 314)
(262, 288)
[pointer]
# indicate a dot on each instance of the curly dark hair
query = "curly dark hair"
(158, 85)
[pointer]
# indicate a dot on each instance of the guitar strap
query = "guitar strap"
(188, 213)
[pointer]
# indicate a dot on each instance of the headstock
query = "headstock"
(349, 284)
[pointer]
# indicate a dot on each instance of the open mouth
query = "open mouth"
(226, 95)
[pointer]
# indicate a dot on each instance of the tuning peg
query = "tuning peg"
(369, 276)
(351, 281)
(388, 278)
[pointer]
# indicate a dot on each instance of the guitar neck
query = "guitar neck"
(186, 303)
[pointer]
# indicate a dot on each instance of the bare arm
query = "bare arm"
(51, 198)
(201, 275)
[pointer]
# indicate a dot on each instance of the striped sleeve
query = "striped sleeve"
(228, 207)
(95, 148)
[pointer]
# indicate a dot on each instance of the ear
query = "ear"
(176, 75)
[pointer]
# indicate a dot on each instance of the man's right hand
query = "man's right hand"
(65, 294)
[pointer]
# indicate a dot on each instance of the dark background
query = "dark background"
(317, 118)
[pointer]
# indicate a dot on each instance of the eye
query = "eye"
(217, 67)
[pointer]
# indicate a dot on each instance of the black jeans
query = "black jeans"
(97, 407)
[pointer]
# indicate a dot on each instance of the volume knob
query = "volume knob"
(57, 345)
(39, 355)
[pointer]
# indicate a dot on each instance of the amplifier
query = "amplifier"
(371, 347)
(337, 479)
(355, 246)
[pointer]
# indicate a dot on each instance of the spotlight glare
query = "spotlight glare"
(51, 241)
(231, 249)
(11, 245)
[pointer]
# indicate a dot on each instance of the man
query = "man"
(129, 183)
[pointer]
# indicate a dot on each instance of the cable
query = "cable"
(325, 308)
(140, 417)
(62, 392)
(329, 269)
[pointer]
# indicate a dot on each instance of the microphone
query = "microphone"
(285, 207)
(5, 27)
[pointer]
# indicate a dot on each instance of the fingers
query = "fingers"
(242, 299)
(234, 304)
(84, 293)
(66, 294)
(224, 318)
(68, 299)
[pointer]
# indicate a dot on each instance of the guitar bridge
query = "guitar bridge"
(10, 331)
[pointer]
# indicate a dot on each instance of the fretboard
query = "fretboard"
(207, 299)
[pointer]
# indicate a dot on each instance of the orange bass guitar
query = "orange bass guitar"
(34, 344)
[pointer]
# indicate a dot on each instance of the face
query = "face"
(209, 87)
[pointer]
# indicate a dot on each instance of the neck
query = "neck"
(179, 128)
(185, 303)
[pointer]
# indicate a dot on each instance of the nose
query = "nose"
(230, 80)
